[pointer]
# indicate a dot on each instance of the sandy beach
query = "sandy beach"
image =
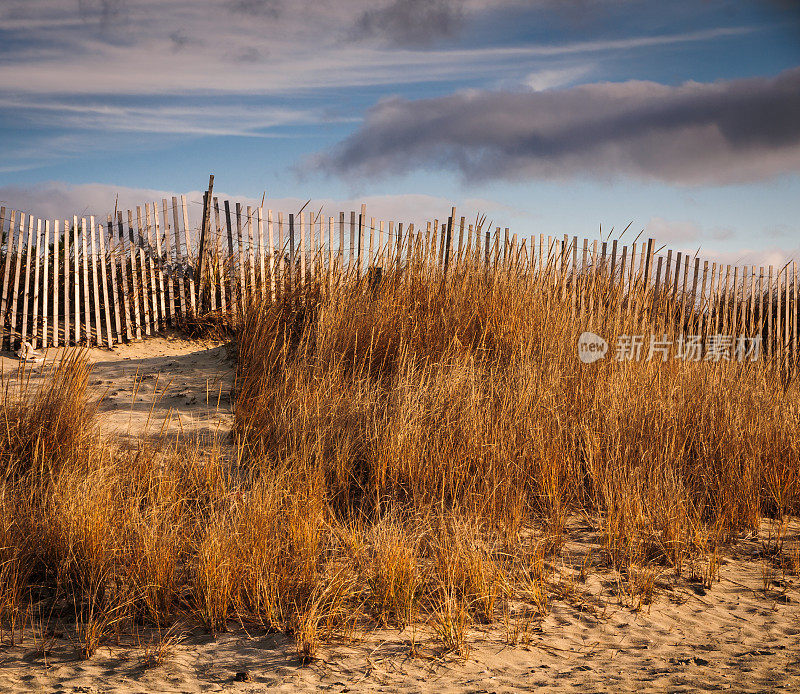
(735, 636)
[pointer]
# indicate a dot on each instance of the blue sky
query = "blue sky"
(551, 117)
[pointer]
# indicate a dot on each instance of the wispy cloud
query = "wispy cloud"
(188, 50)
(209, 119)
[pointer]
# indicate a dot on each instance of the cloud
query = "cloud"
(179, 40)
(213, 118)
(186, 46)
(551, 78)
(666, 231)
(715, 133)
(104, 10)
(694, 239)
(271, 8)
(684, 231)
(777, 256)
(412, 22)
(59, 200)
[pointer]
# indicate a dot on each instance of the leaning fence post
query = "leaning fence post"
(447, 240)
(6, 271)
(203, 232)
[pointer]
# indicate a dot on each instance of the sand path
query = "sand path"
(160, 386)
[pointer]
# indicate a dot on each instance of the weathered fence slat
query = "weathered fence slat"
(95, 286)
(272, 260)
(188, 263)
(9, 239)
(179, 260)
(123, 267)
(146, 295)
(36, 263)
(131, 257)
(45, 283)
(229, 275)
(250, 254)
(300, 219)
(87, 323)
(154, 293)
(262, 252)
(217, 269)
(281, 256)
(331, 222)
(107, 300)
(112, 261)
(55, 254)
(66, 283)
(240, 256)
(362, 220)
(26, 286)
(771, 299)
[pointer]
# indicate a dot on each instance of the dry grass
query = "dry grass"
(410, 454)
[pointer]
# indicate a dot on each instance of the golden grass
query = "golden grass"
(410, 454)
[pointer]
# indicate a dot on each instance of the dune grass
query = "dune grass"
(410, 454)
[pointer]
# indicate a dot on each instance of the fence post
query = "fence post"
(134, 279)
(220, 263)
(45, 282)
(37, 253)
(66, 282)
(168, 258)
(56, 238)
(203, 231)
(107, 300)
(769, 314)
(271, 250)
(6, 271)
(146, 296)
(154, 293)
(449, 239)
(362, 220)
(250, 255)
(794, 315)
(26, 286)
(95, 286)
(262, 251)
(702, 307)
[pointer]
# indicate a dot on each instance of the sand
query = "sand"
(160, 386)
(737, 635)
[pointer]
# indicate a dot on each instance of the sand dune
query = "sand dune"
(739, 635)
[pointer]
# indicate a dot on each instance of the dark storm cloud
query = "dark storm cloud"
(723, 132)
(179, 40)
(104, 10)
(256, 7)
(412, 22)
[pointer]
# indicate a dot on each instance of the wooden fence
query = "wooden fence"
(134, 274)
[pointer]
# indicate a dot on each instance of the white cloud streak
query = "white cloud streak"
(58, 200)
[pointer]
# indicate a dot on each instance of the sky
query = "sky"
(551, 117)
